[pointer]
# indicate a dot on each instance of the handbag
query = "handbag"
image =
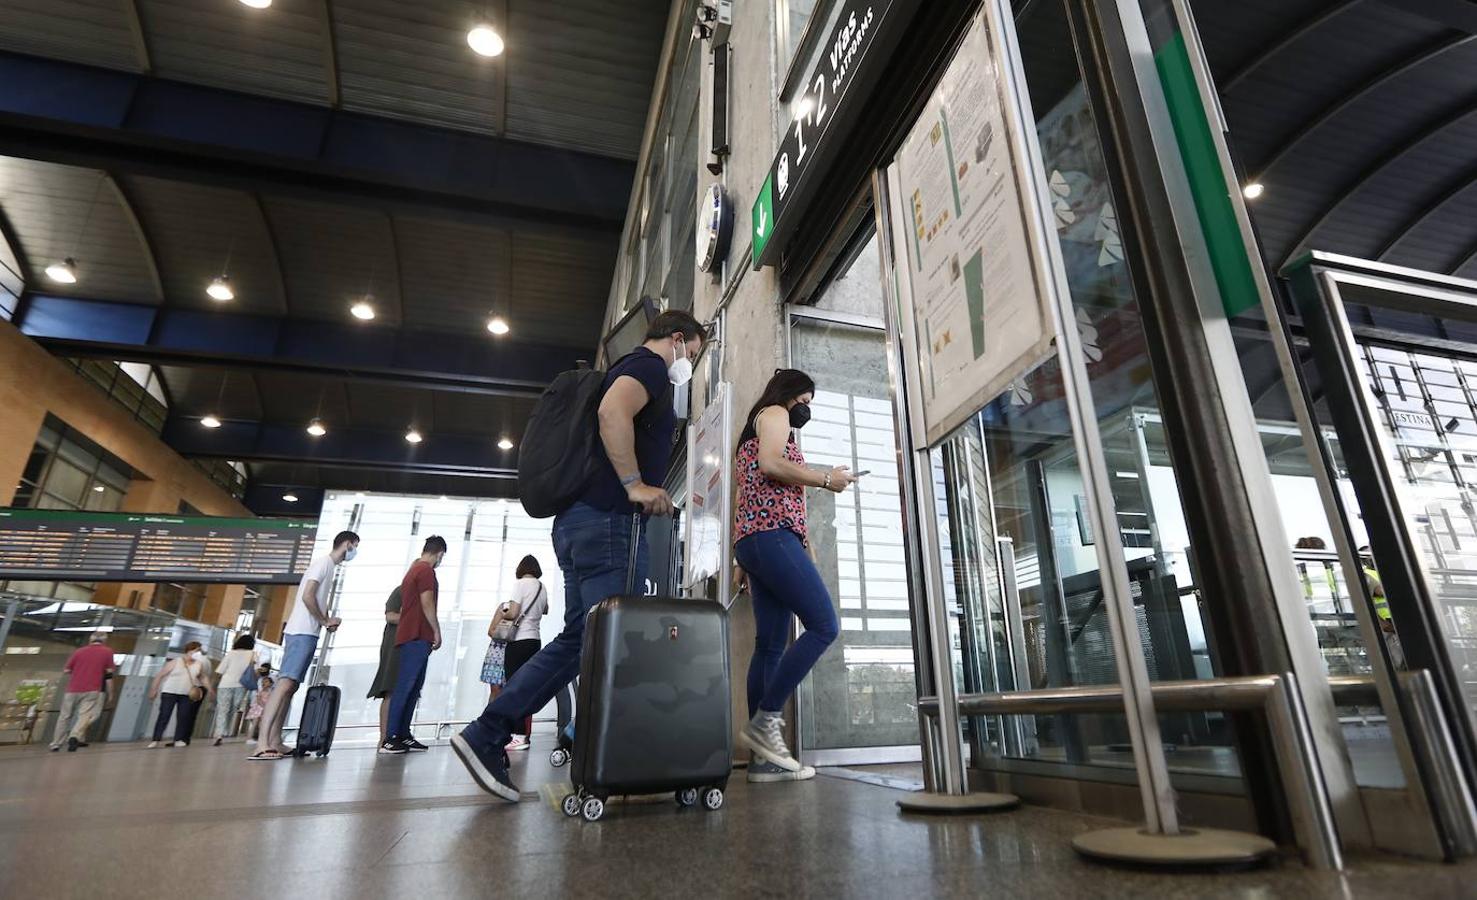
(505, 630)
(248, 679)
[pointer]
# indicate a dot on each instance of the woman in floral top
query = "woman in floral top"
(770, 546)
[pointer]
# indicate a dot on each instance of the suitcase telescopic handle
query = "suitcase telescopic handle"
(635, 547)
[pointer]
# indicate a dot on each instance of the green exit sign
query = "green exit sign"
(763, 219)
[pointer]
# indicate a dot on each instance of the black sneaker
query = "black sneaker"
(394, 745)
(72, 745)
(414, 746)
(489, 770)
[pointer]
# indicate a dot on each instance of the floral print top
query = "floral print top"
(765, 504)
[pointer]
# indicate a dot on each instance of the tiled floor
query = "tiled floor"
(122, 821)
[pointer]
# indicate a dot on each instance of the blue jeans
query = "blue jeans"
(594, 552)
(782, 581)
(414, 655)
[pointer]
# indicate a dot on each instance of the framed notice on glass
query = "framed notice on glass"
(710, 482)
(979, 314)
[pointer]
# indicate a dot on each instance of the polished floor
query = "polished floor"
(120, 821)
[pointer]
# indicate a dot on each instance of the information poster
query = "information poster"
(710, 482)
(980, 317)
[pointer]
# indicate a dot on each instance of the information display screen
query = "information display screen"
(48, 544)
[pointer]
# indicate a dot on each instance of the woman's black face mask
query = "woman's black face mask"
(799, 415)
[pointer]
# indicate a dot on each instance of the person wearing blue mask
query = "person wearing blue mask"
(300, 640)
(592, 537)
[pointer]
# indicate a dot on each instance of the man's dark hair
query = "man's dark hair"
(434, 544)
(244, 642)
(673, 321)
(529, 566)
(344, 536)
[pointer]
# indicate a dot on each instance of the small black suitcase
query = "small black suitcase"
(319, 721)
(653, 707)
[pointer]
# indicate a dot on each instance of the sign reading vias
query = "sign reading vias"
(852, 59)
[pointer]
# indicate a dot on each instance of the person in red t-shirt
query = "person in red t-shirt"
(88, 667)
(417, 634)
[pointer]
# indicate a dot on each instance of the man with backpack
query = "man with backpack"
(630, 411)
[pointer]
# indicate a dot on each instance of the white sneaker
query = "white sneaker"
(519, 742)
(153, 745)
(761, 772)
(180, 744)
(765, 736)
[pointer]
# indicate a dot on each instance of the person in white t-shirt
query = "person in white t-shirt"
(229, 694)
(300, 641)
(527, 608)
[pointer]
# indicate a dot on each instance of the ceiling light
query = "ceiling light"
(1253, 190)
(362, 310)
(220, 289)
(505, 444)
(316, 429)
(485, 41)
(210, 421)
(497, 325)
(290, 497)
(99, 488)
(443, 496)
(64, 272)
(413, 436)
(257, 4)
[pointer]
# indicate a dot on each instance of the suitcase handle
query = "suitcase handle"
(635, 547)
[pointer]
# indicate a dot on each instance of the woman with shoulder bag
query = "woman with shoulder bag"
(520, 619)
(181, 686)
(237, 673)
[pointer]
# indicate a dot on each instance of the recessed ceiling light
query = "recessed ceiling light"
(99, 488)
(64, 272)
(362, 310)
(497, 325)
(210, 421)
(316, 429)
(257, 4)
(290, 497)
(220, 289)
(443, 496)
(505, 444)
(485, 41)
(413, 436)
(1253, 190)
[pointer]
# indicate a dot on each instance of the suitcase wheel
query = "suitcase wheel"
(713, 798)
(594, 808)
(558, 757)
(571, 805)
(687, 797)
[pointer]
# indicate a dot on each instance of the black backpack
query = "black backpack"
(557, 457)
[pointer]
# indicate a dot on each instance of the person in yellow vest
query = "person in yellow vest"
(1376, 590)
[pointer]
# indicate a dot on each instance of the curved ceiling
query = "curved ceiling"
(1359, 117)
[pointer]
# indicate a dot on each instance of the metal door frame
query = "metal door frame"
(1438, 783)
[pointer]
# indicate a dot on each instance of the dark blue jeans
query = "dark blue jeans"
(594, 552)
(782, 581)
(411, 676)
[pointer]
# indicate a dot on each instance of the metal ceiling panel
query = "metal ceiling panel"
(580, 72)
(559, 287)
(334, 255)
(61, 211)
(299, 398)
(196, 392)
(455, 274)
(411, 61)
(390, 408)
(95, 32)
(1442, 241)
(343, 478)
(199, 233)
(277, 52)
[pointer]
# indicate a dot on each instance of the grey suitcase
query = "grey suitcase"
(653, 708)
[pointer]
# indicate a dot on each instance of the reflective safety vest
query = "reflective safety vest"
(1377, 590)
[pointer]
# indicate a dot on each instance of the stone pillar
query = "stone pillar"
(22, 424)
(222, 604)
(276, 603)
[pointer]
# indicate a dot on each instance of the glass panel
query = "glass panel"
(792, 17)
(66, 483)
(862, 692)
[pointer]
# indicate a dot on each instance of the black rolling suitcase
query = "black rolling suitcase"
(320, 719)
(652, 709)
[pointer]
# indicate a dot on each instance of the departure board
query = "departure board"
(50, 544)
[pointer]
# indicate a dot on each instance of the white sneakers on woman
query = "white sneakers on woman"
(765, 736)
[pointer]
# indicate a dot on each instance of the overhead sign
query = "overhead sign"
(48, 544)
(980, 314)
(852, 59)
